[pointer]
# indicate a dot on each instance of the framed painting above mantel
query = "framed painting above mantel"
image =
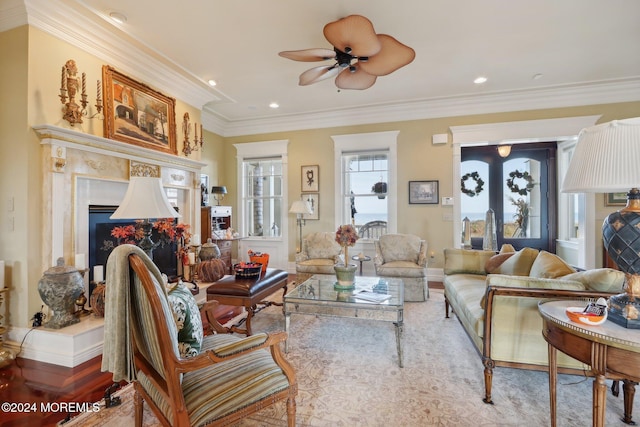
(136, 114)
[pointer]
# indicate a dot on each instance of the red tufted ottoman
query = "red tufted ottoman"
(248, 293)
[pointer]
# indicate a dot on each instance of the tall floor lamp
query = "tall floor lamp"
(607, 159)
(300, 208)
(145, 199)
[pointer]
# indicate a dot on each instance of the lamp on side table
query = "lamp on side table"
(607, 159)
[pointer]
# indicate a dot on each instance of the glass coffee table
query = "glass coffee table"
(317, 296)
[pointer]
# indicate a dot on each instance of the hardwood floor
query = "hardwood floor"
(46, 386)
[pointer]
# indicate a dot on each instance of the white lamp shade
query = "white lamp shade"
(300, 207)
(606, 159)
(145, 198)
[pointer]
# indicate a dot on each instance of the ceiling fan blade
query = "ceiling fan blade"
(354, 32)
(317, 74)
(392, 56)
(309, 55)
(358, 79)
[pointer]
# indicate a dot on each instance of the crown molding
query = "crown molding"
(627, 90)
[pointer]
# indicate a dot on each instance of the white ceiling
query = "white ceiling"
(579, 47)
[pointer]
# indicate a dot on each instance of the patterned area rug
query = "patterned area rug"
(348, 375)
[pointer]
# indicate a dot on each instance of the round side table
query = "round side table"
(361, 260)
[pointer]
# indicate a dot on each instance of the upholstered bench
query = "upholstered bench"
(248, 293)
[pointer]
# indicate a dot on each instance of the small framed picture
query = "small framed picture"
(615, 199)
(423, 192)
(314, 202)
(310, 179)
(204, 189)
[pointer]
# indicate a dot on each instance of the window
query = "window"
(262, 196)
(365, 191)
(365, 178)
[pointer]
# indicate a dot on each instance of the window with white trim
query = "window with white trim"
(262, 196)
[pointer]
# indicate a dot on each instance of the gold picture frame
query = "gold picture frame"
(615, 199)
(136, 114)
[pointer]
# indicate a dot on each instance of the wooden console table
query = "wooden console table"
(611, 351)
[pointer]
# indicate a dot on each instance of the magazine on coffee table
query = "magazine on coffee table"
(372, 296)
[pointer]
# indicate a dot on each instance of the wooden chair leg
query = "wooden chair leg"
(291, 412)
(138, 403)
(629, 391)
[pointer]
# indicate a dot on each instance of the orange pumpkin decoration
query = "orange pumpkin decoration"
(211, 270)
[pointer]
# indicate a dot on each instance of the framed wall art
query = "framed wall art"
(314, 202)
(310, 179)
(423, 192)
(136, 114)
(615, 199)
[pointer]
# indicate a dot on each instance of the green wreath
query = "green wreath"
(520, 175)
(475, 176)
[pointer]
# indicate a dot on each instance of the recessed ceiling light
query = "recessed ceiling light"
(537, 76)
(118, 17)
(274, 105)
(480, 80)
(212, 83)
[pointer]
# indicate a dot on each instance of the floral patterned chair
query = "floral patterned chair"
(404, 256)
(320, 252)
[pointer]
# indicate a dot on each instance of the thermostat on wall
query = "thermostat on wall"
(447, 201)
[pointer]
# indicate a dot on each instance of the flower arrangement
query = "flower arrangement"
(168, 232)
(346, 236)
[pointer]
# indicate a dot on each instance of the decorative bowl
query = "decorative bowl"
(577, 314)
(247, 270)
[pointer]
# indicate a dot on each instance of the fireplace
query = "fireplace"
(101, 243)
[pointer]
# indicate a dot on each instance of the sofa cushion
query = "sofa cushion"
(519, 264)
(530, 282)
(401, 269)
(188, 320)
(599, 279)
(465, 261)
(550, 266)
(400, 247)
(507, 248)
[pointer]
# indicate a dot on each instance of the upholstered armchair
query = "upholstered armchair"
(320, 252)
(404, 256)
(154, 338)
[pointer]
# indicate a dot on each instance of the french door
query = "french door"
(519, 188)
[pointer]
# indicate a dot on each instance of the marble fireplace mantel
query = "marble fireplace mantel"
(83, 170)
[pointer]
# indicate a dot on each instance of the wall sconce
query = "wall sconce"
(187, 148)
(504, 150)
(70, 84)
(218, 193)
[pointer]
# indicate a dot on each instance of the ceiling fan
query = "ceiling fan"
(358, 49)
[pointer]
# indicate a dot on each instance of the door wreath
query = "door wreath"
(515, 188)
(475, 176)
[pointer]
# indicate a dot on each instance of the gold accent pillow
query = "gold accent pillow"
(550, 266)
(518, 264)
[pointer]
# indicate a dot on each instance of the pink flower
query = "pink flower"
(346, 235)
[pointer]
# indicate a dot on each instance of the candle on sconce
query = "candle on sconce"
(192, 258)
(80, 262)
(201, 134)
(98, 273)
(84, 83)
(99, 96)
(1, 274)
(63, 83)
(195, 129)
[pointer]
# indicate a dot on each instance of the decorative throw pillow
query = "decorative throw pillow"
(550, 266)
(599, 279)
(496, 261)
(507, 248)
(188, 320)
(519, 264)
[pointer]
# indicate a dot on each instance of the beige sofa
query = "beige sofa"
(495, 297)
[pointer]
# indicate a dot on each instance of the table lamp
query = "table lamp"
(607, 159)
(300, 207)
(218, 193)
(145, 199)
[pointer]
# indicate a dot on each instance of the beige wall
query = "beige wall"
(30, 81)
(418, 159)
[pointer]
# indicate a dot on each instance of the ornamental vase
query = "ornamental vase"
(346, 276)
(59, 288)
(97, 299)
